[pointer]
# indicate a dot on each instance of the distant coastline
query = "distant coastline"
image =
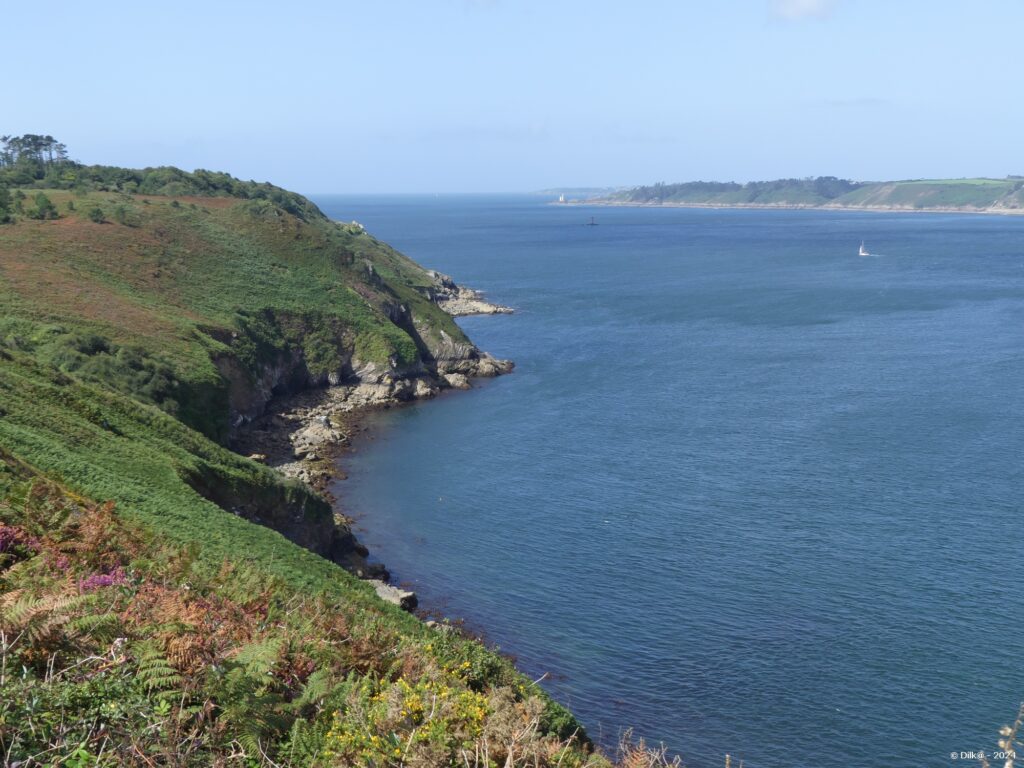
(791, 207)
(977, 195)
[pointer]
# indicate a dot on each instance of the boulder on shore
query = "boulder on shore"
(457, 380)
(402, 598)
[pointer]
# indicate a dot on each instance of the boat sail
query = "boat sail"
(863, 251)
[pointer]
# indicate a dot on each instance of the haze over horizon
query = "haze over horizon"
(496, 95)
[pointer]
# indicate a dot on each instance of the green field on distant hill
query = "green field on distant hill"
(973, 195)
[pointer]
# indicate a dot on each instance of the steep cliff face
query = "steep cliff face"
(289, 508)
(287, 363)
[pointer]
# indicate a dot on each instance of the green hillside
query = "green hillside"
(988, 195)
(163, 600)
(968, 194)
(780, 192)
(124, 286)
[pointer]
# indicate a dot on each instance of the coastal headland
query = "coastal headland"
(181, 354)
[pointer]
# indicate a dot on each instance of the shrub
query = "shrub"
(45, 209)
(5, 205)
(96, 214)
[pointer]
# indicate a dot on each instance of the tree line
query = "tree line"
(27, 158)
(31, 148)
(821, 188)
(36, 161)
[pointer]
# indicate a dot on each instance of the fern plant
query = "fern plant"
(252, 709)
(155, 672)
(38, 621)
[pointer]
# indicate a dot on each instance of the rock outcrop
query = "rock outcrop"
(459, 301)
(287, 370)
(402, 598)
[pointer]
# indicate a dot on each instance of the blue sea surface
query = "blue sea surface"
(745, 491)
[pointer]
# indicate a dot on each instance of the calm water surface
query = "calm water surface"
(745, 492)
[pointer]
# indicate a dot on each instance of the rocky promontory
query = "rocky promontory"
(459, 301)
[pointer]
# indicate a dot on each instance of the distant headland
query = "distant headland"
(978, 195)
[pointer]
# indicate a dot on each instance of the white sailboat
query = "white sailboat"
(863, 251)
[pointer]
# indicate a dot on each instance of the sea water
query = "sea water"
(745, 492)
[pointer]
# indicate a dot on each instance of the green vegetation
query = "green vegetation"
(781, 192)
(828, 191)
(44, 207)
(169, 282)
(967, 194)
(41, 162)
(6, 205)
(118, 646)
(143, 618)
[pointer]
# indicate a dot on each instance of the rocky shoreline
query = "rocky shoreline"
(303, 435)
(459, 301)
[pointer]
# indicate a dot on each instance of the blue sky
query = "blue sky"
(507, 95)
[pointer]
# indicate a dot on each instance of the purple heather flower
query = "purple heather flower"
(10, 537)
(100, 580)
